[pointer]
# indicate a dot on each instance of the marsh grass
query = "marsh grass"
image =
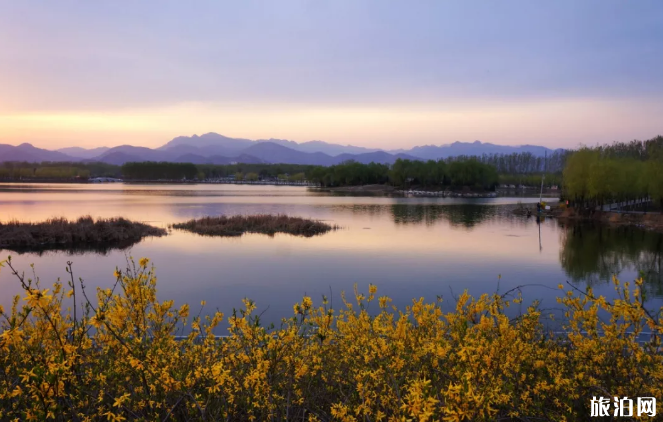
(264, 223)
(85, 232)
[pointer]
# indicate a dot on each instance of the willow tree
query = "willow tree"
(577, 174)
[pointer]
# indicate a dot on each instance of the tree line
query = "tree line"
(264, 171)
(476, 172)
(523, 162)
(453, 173)
(624, 172)
(150, 170)
(470, 173)
(56, 170)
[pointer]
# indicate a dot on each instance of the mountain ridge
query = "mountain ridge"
(215, 148)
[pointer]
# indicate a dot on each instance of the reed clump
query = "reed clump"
(65, 233)
(268, 224)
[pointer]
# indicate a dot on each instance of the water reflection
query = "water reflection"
(592, 253)
(409, 247)
(465, 215)
(83, 249)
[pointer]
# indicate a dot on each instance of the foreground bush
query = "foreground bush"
(117, 358)
(268, 224)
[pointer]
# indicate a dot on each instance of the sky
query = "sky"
(381, 74)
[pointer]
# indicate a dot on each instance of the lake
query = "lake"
(408, 247)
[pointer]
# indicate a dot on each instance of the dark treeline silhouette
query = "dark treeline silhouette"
(150, 170)
(213, 171)
(468, 173)
(56, 170)
(624, 172)
(456, 174)
(526, 168)
(350, 174)
(531, 180)
(523, 162)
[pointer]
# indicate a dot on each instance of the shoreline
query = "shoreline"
(390, 190)
(652, 221)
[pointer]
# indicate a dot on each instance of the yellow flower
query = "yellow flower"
(143, 262)
(384, 301)
(97, 320)
(38, 298)
(481, 351)
(118, 401)
(307, 303)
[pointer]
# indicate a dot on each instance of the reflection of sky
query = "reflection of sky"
(408, 247)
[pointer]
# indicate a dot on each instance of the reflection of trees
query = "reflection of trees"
(593, 253)
(465, 215)
(76, 250)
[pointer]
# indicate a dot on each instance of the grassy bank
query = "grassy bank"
(117, 356)
(265, 224)
(61, 233)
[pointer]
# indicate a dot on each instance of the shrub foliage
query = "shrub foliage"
(58, 233)
(237, 225)
(117, 357)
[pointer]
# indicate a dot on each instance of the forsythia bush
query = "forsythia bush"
(117, 357)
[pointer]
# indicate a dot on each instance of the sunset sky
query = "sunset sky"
(384, 74)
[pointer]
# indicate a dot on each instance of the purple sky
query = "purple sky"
(372, 73)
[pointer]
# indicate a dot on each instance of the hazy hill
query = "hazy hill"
(321, 146)
(228, 146)
(79, 152)
(27, 152)
(209, 139)
(218, 149)
(270, 152)
(125, 153)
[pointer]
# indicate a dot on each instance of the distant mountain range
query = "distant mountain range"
(212, 148)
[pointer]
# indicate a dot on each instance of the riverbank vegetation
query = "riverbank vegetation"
(57, 171)
(123, 355)
(452, 174)
(473, 173)
(619, 173)
(61, 233)
(264, 171)
(237, 225)
(150, 170)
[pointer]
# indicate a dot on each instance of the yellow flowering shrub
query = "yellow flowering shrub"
(118, 356)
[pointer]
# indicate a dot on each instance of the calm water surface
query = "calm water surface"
(408, 247)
